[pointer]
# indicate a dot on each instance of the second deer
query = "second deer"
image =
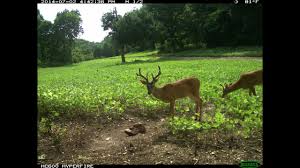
(188, 87)
(247, 81)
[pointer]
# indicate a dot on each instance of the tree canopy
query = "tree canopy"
(176, 27)
(55, 40)
(166, 28)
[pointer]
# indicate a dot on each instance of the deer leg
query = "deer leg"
(172, 107)
(253, 91)
(197, 104)
(250, 92)
(198, 107)
(201, 109)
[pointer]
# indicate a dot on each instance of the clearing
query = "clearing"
(91, 103)
(101, 142)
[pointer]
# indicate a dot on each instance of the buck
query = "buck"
(169, 93)
(247, 81)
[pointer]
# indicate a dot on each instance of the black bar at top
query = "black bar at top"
(247, 2)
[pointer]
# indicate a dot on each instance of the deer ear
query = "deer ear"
(143, 82)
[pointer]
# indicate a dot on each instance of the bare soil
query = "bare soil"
(98, 142)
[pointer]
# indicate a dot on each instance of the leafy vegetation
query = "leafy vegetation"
(105, 88)
(83, 50)
(219, 52)
(167, 28)
(55, 40)
(92, 85)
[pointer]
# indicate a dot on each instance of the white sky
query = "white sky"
(90, 14)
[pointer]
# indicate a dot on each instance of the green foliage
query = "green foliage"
(167, 28)
(188, 125)
(68, 23)
(105, 48)
(175, 27)
(55, 40)
(104, 88)
(109, 20)
(83, 50)
(44, 125)
(219, 52)
(183, 124)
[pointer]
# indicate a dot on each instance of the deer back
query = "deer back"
(250, 79)
(180, 89)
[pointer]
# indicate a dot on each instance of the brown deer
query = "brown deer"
(247, 81)
(188, 87)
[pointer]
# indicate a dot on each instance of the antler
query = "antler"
(140, 74)
(159, 73)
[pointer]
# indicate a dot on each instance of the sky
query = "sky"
(90, 14)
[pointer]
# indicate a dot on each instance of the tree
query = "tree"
(40, 19)
(105, 48)
(45, 37)
(169, 24)
(247, 23)
(211, 25)
(67, 26)
(142, 26)
(176, 27)
(83, 50)
(109, 22)
(55, 40)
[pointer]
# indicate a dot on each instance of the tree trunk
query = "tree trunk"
(173, 47)
(153, 45)
(123, 54)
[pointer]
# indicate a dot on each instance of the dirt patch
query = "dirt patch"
(98, 143)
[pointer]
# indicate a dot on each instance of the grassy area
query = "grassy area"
(220, 52)
(104, 87)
